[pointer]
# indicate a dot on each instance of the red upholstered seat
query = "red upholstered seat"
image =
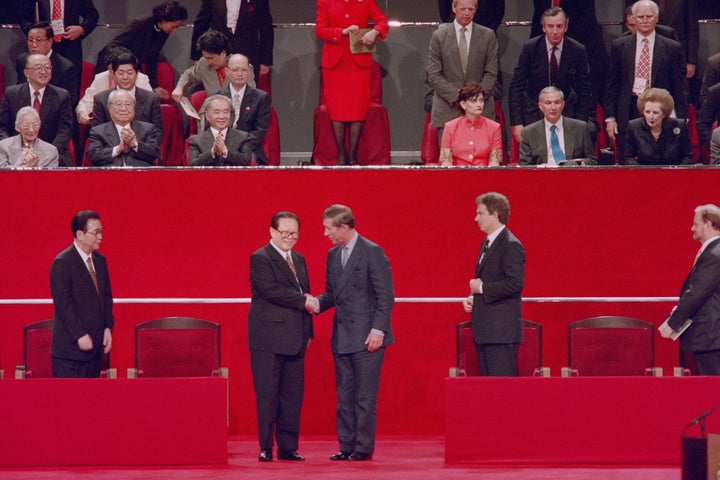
(374, 146)
(610, 346)
(529, 353)
(37, 340)
(196, 99)
(171, 148)
(177, 347)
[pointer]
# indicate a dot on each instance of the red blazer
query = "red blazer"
(333, 16)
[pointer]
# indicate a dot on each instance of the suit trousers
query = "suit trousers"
(279, 382)
(357, 379)
(497, 359)
(66, 368)
(708, 362)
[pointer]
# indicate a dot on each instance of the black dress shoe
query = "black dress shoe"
(341, 456)
(289, 455)
(357, 456)
(265, 456)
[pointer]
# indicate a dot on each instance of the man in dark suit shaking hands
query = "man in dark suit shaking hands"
(279, 331)
(358, 283)
(700, 296)
(495, 291)
(82, 298)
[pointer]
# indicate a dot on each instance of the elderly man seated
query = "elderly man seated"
(123, 141)
(220, 145)
(556, 139)
(26, 150)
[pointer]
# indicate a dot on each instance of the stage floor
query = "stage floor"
(395, 458)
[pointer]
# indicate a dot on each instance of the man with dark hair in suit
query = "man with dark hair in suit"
(279, 331)
(220, 145)
(639, 62)
(495, 299)
(40, 40)
(550, 59)
(82, 299)
(123, 141)
(124, 73)
(246, 23)
(700, 296)
(358, 283)
(53, 104)
(251, 106)
(556, 139)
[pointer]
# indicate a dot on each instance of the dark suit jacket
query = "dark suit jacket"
(700, 302)
(497, 313)
(672, 148)
(254, 117)
(56, 116)
(711, 76)
(104, 137)
(277, 320)
(489, 13)
(668, 72)
(253, 37)
(362, 294)
(709, 113)
(147, 108)
(578, 143)
(237, 142)
(79, 308)
(532, 73)
(74, 11)
(63, 73)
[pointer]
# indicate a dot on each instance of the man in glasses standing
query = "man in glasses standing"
(82, 300)
(279, 332)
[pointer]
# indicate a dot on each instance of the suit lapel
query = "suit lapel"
(357, 254)
(282, 265)
(568, 140)
(493, 248)
(82, 269)
(451, 46)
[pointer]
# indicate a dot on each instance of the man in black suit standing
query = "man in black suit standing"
(700, 296)
(279, 331)
(39, 40)
(551, 59)
(251, 106)
(52, 103)
(358, 283)
(639, 62)
(495, 292)
(82, 299)
(250, 32)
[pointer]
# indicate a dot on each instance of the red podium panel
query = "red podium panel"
(148, 421)
(582, 420)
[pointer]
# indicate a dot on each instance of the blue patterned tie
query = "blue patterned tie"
(557, 152)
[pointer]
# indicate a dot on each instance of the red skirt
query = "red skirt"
(346, 89)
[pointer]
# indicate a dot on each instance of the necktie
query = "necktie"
(56, 15)
(557, 152)
(236, 109)
(92, 273)
(553, 66)
(36, 101)
(643, 67)
(484, 249)
(288, 259)
(463, 46)
(344, 256)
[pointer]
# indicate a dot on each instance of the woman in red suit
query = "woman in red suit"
(346, 76)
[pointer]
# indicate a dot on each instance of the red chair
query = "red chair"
(264, 84)
(177, 347)
(196, 99)
(610, 346)
(374, 146)
(171, 148)
(529, 358)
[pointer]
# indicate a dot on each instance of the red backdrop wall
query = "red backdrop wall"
(189, 234)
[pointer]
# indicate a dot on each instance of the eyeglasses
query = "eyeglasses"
(122, 105)
(288, 234)
(97, 232)
(29, 125)
(239, 69)
(41, 68)
(37, 40)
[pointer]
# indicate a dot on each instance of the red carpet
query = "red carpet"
(396, 458)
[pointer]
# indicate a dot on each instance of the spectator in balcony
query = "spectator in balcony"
(26, 150)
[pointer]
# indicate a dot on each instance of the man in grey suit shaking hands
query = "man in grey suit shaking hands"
(358, 283)
(495, 291)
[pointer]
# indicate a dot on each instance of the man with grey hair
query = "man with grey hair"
(220, 145)
(25, 149)
(700, 296)
(123, 141)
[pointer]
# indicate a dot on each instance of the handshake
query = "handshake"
(312, 305)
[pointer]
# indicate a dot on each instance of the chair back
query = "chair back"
(37, 338)
(610, 346)
(87, 75)
(177, 347)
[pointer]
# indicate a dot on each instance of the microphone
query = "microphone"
(700, 419)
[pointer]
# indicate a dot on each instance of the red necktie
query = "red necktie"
(643, 68)
(56, 15)
(36, 101)
(92, 273)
